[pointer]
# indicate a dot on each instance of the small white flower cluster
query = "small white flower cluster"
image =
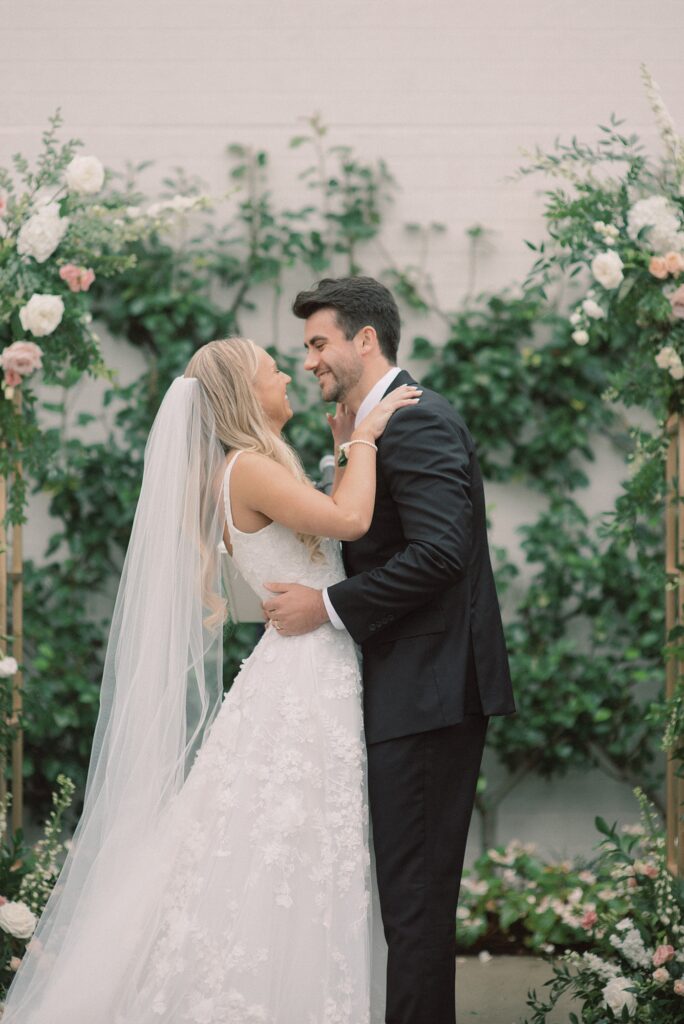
(587, 310)
(631, 945)
(666, 125)
(660, 223)
(177, 204)
(669, 359)
(608, 232)
(603, 969)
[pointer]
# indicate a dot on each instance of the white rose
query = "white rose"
(662, 223)
(40, 235)
(607, 269)
(576, 319)
(593, 310)
(85, 174)
(580, 337)
(677, 371)
(8, 667)
(615, 996)
(17, 920)
(41, 314)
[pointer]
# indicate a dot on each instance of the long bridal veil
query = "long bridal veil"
(161, 688)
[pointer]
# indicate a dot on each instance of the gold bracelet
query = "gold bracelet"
(342, 458)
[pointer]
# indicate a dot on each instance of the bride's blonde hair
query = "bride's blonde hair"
(226, 370)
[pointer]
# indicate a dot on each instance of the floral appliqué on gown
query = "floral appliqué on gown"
(264, 917)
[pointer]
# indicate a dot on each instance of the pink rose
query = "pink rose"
(3, 899)
(679, 987)
(658, 267)
(19, 360)
(79, 279)
(677, 303)
(661, 976)
(3, 204)
(651, 871)
(674, 262)
(663, 955)
(14, 963)
(589, 920)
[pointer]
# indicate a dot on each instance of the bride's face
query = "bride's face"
(270, 387)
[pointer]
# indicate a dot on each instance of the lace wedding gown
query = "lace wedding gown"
(256, 908)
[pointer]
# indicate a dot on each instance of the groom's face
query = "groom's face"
(331, 357)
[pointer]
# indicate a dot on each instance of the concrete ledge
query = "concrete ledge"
(496, 992)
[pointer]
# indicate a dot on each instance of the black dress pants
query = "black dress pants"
(421, 794)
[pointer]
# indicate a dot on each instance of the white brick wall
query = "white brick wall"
(446, 91)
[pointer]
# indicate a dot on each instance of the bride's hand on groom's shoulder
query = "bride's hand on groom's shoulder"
(373, 425)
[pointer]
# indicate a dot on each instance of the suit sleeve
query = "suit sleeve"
(426, 465)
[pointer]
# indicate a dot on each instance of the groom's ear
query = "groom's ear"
(369, 339)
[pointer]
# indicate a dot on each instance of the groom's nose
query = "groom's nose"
(311, 361)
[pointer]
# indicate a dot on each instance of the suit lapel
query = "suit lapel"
(401, 378)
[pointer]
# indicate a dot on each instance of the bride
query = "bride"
(219, 871)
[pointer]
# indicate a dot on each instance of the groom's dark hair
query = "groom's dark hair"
(358, 302)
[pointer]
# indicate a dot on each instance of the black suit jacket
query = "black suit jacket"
(420, 595)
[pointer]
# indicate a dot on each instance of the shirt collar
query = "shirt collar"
(375, 394)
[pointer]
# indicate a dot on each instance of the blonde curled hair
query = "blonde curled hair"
(226, 370)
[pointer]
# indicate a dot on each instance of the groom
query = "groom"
(420, 600)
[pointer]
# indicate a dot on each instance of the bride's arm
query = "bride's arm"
(264, 486)
(267, 487)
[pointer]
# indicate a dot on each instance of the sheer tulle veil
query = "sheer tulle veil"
(161, 688)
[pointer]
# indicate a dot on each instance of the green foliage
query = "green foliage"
(530, 394)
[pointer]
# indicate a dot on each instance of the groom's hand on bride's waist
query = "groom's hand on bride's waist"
(294, 609)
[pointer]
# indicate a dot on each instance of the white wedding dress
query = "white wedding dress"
(265, 855)
(251, 904)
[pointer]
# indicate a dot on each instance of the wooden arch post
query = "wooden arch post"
(12, 594)
(674, 616)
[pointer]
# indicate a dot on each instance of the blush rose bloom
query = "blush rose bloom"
(589, 920)
(42, 314)
(663, 955)
(85, 174)
(79, 279)
(679, 987)
(615, 996)
(661, 976)
(607, 269)
(674, 262)
(19, 360)
(16, 919)
(40, 235)
(677, 303)
(658, 267)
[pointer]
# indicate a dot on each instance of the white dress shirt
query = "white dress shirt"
(373, 398)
